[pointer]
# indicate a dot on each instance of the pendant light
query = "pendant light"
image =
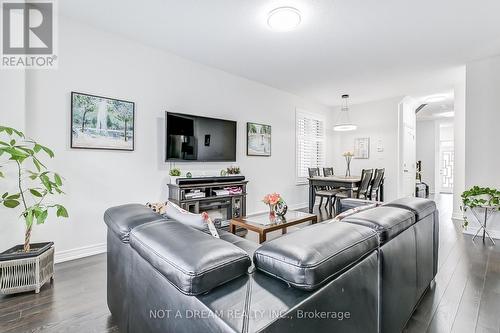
(343, 122)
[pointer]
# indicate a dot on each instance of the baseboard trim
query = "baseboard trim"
(79, 252)
(291, 207)
(472, 231)
(87, 251)
(457, 216)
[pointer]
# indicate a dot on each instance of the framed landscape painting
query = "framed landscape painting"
(258, 139)
(101, 123)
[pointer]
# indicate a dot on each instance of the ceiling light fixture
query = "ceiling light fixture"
(448, 114)
(435, 98)
(284, 19)
(343, 123)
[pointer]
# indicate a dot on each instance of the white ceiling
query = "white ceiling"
(371, 49)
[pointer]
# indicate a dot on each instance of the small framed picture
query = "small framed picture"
(101, 122)
(362, 148)
(258, 139)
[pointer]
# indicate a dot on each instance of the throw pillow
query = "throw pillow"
(196, 221)
(354, 210)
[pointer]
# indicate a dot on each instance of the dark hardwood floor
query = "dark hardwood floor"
(465, 297)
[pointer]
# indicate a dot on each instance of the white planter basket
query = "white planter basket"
(27, 274)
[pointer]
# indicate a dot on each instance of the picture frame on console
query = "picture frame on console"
(99, 122)
(258, 139)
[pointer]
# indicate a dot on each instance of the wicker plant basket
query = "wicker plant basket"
(26, 274)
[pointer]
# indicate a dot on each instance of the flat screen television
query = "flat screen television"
(202, 139)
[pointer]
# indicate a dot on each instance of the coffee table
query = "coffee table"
(265, 222)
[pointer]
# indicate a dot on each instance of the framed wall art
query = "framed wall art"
(258, 139)
(99, 122)
(362, 148)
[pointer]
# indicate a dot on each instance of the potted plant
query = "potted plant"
(233, 170)
(174, 173)
(479, 197)
(271, 199)
(35, 185)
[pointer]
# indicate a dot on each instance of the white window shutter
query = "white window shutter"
(310, 146)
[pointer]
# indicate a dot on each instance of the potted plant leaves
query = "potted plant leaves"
(27, 266)
(175, 173)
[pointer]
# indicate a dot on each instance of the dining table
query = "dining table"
(349, 183)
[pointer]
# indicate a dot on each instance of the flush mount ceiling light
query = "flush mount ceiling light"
(435, 99)
(284, 19)
(448, 114)
(343, 122)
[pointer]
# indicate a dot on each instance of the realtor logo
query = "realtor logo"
(28, 34)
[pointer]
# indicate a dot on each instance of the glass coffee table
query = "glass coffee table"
(265, 222)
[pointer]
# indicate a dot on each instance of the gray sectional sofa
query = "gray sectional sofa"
(365, 273)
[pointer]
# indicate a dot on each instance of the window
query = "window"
(310, 148)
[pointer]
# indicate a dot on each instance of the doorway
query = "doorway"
(446, 157)
(435, 142)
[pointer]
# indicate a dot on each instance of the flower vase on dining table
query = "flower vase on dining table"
(348, 157)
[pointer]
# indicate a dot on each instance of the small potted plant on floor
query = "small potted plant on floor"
(27, 266)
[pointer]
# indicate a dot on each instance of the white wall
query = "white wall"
(426, 151)
(377, 120)
(482, 160)
(459, 145)
(99, 63)
(407, 147)
(12, 114)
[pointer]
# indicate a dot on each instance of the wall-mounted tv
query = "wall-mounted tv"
(201, 139)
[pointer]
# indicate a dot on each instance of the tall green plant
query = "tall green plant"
(34, 182)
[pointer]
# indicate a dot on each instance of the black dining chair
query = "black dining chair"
(364, 184)
(323, 192)
(327, 172)
(360, 192)
(378, 180)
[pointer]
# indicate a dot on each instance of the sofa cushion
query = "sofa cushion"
(387, 221)
(122, 219)
(193, 261)
(197, 221)
(420, 207)
(310, 257)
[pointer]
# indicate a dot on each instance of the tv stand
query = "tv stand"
(199, 195)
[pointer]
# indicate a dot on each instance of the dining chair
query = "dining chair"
(378, 180)
(327, 172)
(364, 184)
(323, 192)
(360, 192)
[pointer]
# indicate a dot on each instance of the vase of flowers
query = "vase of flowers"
(348, 157)
(271, 200)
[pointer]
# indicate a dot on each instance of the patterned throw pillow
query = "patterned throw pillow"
(197, 221)
(352, 211)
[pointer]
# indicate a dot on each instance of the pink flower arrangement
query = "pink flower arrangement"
(271, 199)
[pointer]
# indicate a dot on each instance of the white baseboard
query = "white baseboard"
(79, 252)
(87, 251)
(472, 231)
(291, 207)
